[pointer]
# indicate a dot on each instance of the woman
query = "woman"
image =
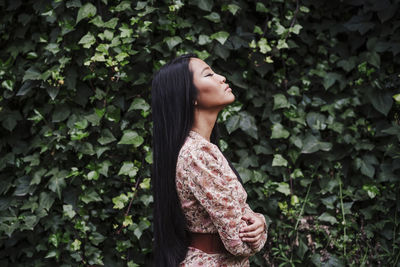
(200, 215)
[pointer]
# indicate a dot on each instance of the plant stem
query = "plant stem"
(344, 219)
(302, 208)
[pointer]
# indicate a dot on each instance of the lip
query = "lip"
(228, 88)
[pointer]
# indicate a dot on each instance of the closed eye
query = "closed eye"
(210, 74)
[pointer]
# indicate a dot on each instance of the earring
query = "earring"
(195, 102)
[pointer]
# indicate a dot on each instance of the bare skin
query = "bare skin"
(213, 95)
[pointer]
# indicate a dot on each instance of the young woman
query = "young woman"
(201, 217)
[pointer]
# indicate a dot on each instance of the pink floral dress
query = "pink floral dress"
(213, 201)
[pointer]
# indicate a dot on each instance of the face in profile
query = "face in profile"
(212, 91)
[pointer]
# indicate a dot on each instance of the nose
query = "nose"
(223, 80)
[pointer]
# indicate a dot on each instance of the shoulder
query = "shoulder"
(197, 148)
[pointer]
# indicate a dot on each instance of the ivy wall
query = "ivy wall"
(314, 132)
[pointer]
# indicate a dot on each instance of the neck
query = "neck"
(204, 121)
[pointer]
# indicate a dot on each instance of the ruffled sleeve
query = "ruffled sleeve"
(217, 189)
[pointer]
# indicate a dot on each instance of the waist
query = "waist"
(207, 242)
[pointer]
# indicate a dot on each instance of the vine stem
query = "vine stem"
(130, 204)
(302, 208)
(343, 214)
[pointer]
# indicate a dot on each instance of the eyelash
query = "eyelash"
(211, 74)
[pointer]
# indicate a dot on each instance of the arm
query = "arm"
(217, 189)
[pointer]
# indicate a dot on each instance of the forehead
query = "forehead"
(197, 65)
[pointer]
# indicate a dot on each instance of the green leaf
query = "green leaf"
(278, 131)
(46, 200)
(396, 98)
(311, 144)
(93, 175)
(316, 121)
(23, 186)
(90, 196)
(247, 124)
(172, 41)
(279, 160)
(32, 74)
(214, 17)
(382, 101)
(124, 6)
(120, 201)
(232, 123)
(87, 40)
(139, 104)
(330, 78)
(233, 8)
(69, 211)
(131, 138)
(204, 39)
(57, 182)
(283, 188)
(61, 113)
(128, 168)
(221, 37)
(326, 217)
(205, 5)
(106, 137)
(280, 101)
(88, 10)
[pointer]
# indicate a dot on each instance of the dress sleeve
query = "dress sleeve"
(218, 191)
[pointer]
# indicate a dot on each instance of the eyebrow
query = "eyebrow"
(204, 69)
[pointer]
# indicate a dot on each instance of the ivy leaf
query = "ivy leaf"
(61, 113)
(69, 211)
(278, 131)
(283, 188)
(326, 217)
(87, 40)
(311, 144)
(172, 41)
(120, 201)
(232, 8)
(90, 196)
(280, 101)
(88, 10)
(131, 138)
(248, 124)
(128, 168)
(214, 17)
(221, 37)
(32, 74)
(46, 200)
(139, 104)
(279, 160)
(205, 5)
(106, 137)
(232, 123)
(382, 101)
(57, 182)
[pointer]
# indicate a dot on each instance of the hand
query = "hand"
(253, 232)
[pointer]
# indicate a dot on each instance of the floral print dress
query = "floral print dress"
(213, 201)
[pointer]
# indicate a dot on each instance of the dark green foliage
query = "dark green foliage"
(314, 132)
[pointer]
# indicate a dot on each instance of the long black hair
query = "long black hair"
(173, 97)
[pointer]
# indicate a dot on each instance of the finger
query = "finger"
(248, 219)
(252, 239)
(251, 227)
(254, 233)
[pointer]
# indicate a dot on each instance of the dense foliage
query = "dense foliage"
(314, 132)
